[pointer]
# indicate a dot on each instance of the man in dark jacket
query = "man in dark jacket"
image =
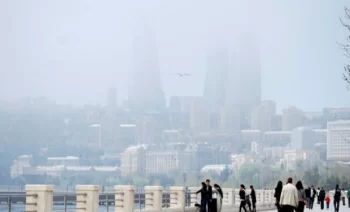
(311, 194)
(253, 195)
(336, 198)
(209, 195)
(242, 197)
(322, 196)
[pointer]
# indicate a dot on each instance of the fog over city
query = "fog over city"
(152, 92)
(73, 51)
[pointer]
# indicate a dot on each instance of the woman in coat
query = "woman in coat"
(278, 191)
(301, 196)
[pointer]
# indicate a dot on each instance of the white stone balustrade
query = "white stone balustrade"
(193, 195)
(177, 197)
(153, 198)
(124, 195)
(87, 198)
(40, 198)
(229, 196)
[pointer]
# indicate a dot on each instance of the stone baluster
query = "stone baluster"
(39, 198)
(177, 197)
(229, 196)
(124, 198)
(153, 198)
(194, 196)
(87, 198)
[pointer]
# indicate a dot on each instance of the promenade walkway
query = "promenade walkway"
(317, 208)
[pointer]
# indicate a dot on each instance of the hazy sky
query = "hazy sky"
(73, 50)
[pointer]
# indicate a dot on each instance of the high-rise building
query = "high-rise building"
(145, 87)
(292, 118)
(262, 116)
(132, 160)
(244, 78)
(216, 78)
(338, 141)
(303, 138)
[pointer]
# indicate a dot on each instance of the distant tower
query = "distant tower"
(244, 78)
(216, 76)
(145, 88)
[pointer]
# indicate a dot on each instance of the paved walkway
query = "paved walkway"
(317, 208)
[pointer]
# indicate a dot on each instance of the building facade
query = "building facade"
(338, 141)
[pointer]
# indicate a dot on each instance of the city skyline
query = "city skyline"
(74, 55)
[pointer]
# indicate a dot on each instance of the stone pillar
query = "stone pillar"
(177, 197)
(153, 198)
(87, 198)
(263, 195)
(193, 194)
(124, 198)
(229, 197)
(39, 198)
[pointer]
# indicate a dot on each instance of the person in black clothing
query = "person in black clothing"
(242, 198)
(203, 192)
(322, 196)
(277, 195)
(336, 198)
(307, 193)
(253, 195)
(209, 195)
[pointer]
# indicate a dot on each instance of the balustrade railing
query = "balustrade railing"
(124, 198)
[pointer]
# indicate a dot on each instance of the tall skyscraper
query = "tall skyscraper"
(216, 76)
(145, 87)
(244, 78)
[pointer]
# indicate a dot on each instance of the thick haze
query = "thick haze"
(72, 51)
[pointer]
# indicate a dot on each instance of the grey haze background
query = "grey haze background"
(72, 51)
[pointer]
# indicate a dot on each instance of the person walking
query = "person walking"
(343, 196)
(277, 195)
(308, 194)
(289, 197)
(336, 198)
(322, 196)
(253, 195)
(301, 197)
(313, 194)
(328, 200)
(247, 200)
(318, 195)
(242, 197)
